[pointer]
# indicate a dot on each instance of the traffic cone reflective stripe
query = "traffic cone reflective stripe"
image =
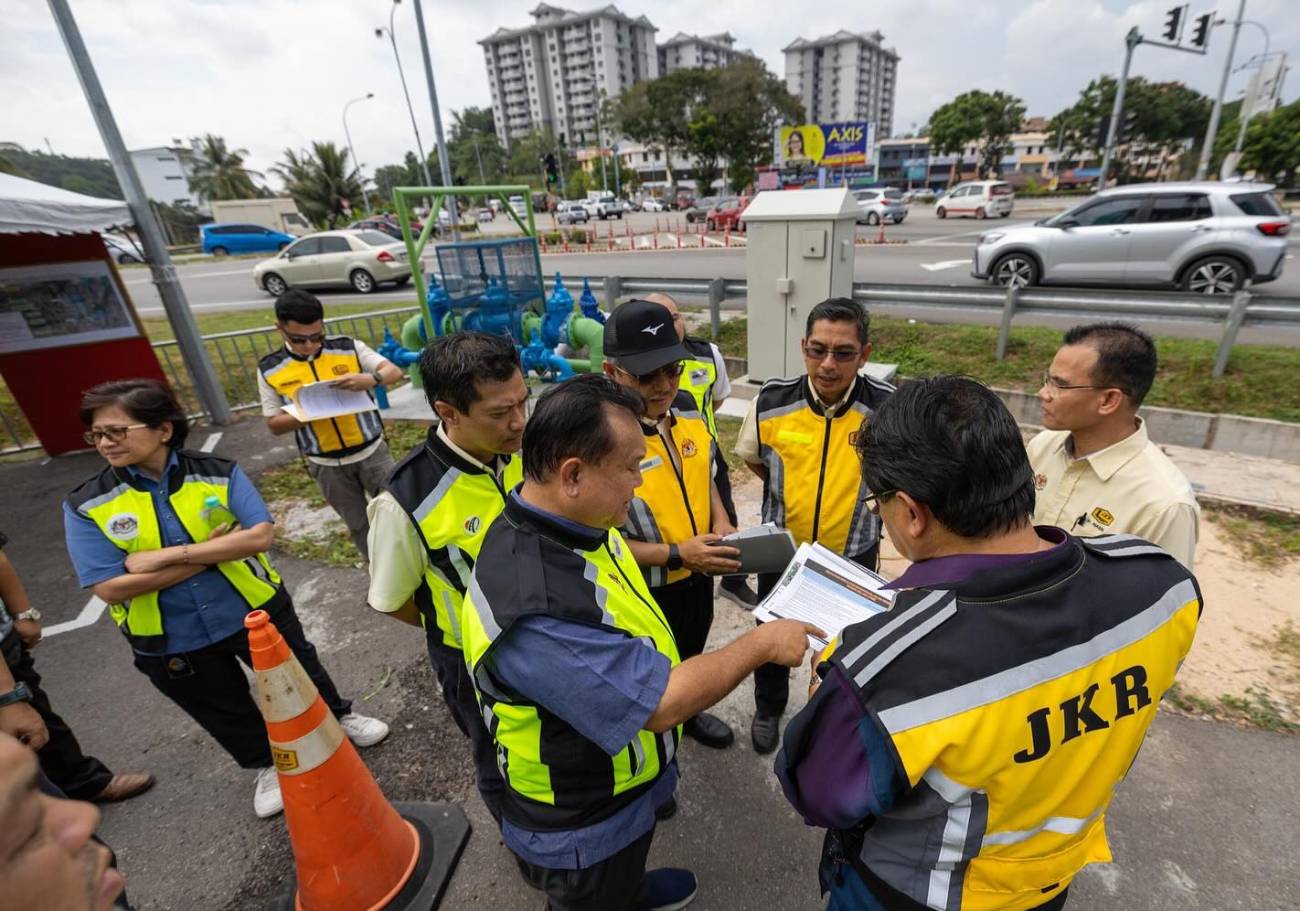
(353, 851)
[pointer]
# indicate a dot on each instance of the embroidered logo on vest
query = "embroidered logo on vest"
(124, 526)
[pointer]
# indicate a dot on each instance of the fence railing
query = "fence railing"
(235, 354)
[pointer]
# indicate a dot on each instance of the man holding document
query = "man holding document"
(962, 748)
(797, 438)
(319, 388)
(677, 517)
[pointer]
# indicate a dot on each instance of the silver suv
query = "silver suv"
(1206, 237)
(881, 203)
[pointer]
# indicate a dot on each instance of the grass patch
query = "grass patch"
(1259, 382)
(1267, 539)
(728, 430)
(1258, 708)
(332, 549)
(1189, 702)
(1286, 646)
(289, 482)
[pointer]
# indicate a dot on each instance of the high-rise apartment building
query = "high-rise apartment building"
(684, 51)
(844, 76)
(553, 74)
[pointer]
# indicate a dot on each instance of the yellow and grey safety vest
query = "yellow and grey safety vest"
(124, 511)
(555, 778)
(814, 480)
(698, 376)
(1015, 703)
(673, 505)
(335, 437)
(451, 502)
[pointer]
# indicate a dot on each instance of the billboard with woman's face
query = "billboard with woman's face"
(830, 145)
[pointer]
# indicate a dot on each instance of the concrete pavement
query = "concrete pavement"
(1203, 821)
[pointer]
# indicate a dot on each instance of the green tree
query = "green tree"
(1272, 146)
(749, 104)
(658, 112)
(473, 143)
(578, 183)
(219, 173)
(95, 175)
(985, 118)
(320, 180)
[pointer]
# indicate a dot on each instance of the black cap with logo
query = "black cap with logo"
(641, 337)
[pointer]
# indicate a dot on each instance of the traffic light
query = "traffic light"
(1128, 128)
(552, 168)
(1201, 33)
(1103, 131)
(1172, 22)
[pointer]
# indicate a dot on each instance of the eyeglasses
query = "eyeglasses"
(873, 500)
(1053, 383)
(112, 434)
(667, 372)
(842, 355)
(304, 339)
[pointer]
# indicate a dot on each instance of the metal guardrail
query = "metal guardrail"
(235, 354)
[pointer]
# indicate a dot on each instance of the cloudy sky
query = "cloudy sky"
(271, 74)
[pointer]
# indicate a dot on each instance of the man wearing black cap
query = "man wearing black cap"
(677, 516)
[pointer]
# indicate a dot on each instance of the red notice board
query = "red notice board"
(66, 323)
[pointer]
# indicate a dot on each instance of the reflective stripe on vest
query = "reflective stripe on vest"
(556, 778)
(330, 437)
(126, 516)
(671, 507)
(1012, 770)
(698, 377)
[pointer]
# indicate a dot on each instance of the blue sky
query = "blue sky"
(271, 74)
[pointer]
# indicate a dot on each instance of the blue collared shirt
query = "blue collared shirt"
(201, 610)
(606, 686)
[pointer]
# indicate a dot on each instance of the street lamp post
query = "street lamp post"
(1207, 148)
(1244, 116)
(366, 97)
(444, 164)
(419, 146)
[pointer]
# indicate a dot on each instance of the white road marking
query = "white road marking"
(93, 610)
(946, 264)
(147, 278)
(211, 442)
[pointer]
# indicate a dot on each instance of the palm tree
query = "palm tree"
(219, 173)
(320, 181)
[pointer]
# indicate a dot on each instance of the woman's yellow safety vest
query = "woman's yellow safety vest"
(335, 437)
(125, 514)
(451, 502)
(556, 778)
(673, 505)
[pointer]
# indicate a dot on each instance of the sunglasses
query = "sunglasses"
(842, 355)
(112, 434)
(668, 372)
(304, 339)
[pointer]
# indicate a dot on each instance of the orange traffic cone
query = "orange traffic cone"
(354, 851)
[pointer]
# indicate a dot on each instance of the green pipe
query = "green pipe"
(587, 333)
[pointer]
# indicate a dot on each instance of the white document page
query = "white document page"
(824, 589)
(325, 400)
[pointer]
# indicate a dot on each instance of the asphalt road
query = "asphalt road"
(1201, 824)
(937, 252)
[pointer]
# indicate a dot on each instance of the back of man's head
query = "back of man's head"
(1126, 357)
(298, 306)
(451, 364)
(571, 420)
(950, 443)
(841, 310)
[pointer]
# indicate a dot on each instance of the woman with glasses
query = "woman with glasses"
(175, 542)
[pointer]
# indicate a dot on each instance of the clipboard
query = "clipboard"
(765, 549)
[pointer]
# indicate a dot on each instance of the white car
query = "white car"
(980, 198)
(650, 204)
(519, 206)
(604, 207)
(121, 249)
(362, 259)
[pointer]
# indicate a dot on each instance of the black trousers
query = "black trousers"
(615, 884)
(458, 692)
(77, 775)
(772, 681)
(688, 608)
(212, 689)
(722, 477)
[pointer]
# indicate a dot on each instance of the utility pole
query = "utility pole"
(211, 395)
(444, 164)
(1207, 148)
(1131, 41)
(356, 161)
(600, 141)
(392, 37)
(479, 158)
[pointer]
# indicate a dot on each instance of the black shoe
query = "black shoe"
(764, 730)
(736, 589)
(709, 730)
(667, 809)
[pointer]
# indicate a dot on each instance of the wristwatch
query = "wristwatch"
(379, 378)
(30, 614)
(674, 557)
(20, 693)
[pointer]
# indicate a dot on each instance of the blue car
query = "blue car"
(224, 239)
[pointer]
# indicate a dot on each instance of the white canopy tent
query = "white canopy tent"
(28, 206)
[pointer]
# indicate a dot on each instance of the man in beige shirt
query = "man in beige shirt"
(1095, 470)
